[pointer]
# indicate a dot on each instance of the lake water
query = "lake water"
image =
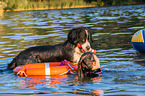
(112, 28)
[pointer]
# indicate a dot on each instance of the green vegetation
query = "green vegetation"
(22, 4)
(1, 9)
(57, 4)
(66, 3)
(115, 2)
(42, 4)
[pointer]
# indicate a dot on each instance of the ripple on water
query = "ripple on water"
(139, 27)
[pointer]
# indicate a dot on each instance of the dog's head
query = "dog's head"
(82, 36)
(88, 65)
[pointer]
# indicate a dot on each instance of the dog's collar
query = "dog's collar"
(80, 46)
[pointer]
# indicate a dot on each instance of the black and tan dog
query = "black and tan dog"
(78, 41)
(89, 65)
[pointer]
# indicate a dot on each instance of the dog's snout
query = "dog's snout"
(88, 47)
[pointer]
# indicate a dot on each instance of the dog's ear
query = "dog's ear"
(80, 73)
(73, 36)
(89, 35)
(97, 62)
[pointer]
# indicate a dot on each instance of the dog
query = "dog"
(89, 65)
(78, 41)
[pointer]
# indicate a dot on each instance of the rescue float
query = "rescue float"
(49, 68)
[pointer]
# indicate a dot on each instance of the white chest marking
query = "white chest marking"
(77, 55)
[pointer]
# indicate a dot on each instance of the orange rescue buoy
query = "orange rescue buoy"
(49, 68)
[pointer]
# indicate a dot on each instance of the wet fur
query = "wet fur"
(85, 65)
(55, 53)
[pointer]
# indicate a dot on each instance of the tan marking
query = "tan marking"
(87, 33)
(96, 64)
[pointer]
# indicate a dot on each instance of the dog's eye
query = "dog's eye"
(83, 41)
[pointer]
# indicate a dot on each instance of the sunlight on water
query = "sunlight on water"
(112, 29)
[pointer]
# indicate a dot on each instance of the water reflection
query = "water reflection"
(140, 59)
(61, 84)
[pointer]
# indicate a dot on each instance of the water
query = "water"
(112, 28)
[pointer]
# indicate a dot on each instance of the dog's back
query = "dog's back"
(39, 54)
(56, 53)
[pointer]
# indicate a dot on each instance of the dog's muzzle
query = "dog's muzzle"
(88, 48)
(95, 73)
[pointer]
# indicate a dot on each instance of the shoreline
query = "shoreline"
(31, 9)
(51, 8)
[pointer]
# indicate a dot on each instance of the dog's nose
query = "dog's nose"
(88, 47)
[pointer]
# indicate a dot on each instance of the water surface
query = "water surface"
(112, 28)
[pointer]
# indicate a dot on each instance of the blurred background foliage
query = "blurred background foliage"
(59, 4)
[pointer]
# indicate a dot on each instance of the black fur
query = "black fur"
(53, 53)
